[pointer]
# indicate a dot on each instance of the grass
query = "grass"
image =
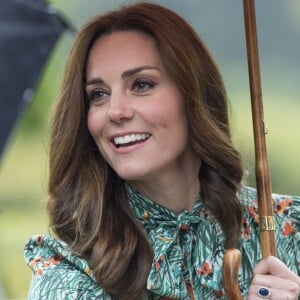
(283, 140)
(22, 178)
(16, 227)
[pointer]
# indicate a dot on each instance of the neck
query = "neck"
(177, 192)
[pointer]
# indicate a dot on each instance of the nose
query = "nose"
(120, 108)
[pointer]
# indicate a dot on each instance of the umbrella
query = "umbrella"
(29, 30)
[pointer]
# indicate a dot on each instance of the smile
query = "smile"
(130, 139)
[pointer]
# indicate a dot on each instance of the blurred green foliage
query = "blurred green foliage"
(23, 173)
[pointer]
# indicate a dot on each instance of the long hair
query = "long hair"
(88, 207)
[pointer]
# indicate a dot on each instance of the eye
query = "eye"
(143, 85)
(96, 95)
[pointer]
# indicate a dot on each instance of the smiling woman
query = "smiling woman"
(145, 188)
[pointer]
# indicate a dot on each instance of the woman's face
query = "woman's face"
(137, 114)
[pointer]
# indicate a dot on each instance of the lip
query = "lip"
(129, 148)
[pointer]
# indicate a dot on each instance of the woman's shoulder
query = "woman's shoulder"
(57, 272)
(287, 225)
(283, 205)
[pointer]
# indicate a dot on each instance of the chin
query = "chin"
(131, 175)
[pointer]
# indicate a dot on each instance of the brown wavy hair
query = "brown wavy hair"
(88, 206)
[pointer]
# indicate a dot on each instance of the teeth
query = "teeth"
(130, 138)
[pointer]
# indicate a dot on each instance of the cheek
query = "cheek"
(178, 116)
(180, 125)
(170, 109)
(95, 127)
(93, 123)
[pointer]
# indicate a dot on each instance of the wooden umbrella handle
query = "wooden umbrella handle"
(263, 182)
(232, 257)
(230, 269)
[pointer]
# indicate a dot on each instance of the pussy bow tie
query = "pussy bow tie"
(177, 241)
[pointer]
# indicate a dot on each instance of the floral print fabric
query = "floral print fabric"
(58, 273)
(188, 252)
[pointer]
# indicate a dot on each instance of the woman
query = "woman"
(145, 184)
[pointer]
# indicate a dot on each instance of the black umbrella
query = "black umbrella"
(28, 32)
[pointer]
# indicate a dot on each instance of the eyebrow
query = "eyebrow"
(124, 75)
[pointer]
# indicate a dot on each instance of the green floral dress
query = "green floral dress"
(188, 252)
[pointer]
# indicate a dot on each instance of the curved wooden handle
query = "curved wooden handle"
(230, 269)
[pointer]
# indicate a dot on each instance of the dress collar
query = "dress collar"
(152, 214)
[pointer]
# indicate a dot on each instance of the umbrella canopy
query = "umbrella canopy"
(28, 32)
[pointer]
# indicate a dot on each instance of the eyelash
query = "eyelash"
(146, 85)
(138, 86)
(94, 96)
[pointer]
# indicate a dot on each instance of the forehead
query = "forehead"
(123, 49)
